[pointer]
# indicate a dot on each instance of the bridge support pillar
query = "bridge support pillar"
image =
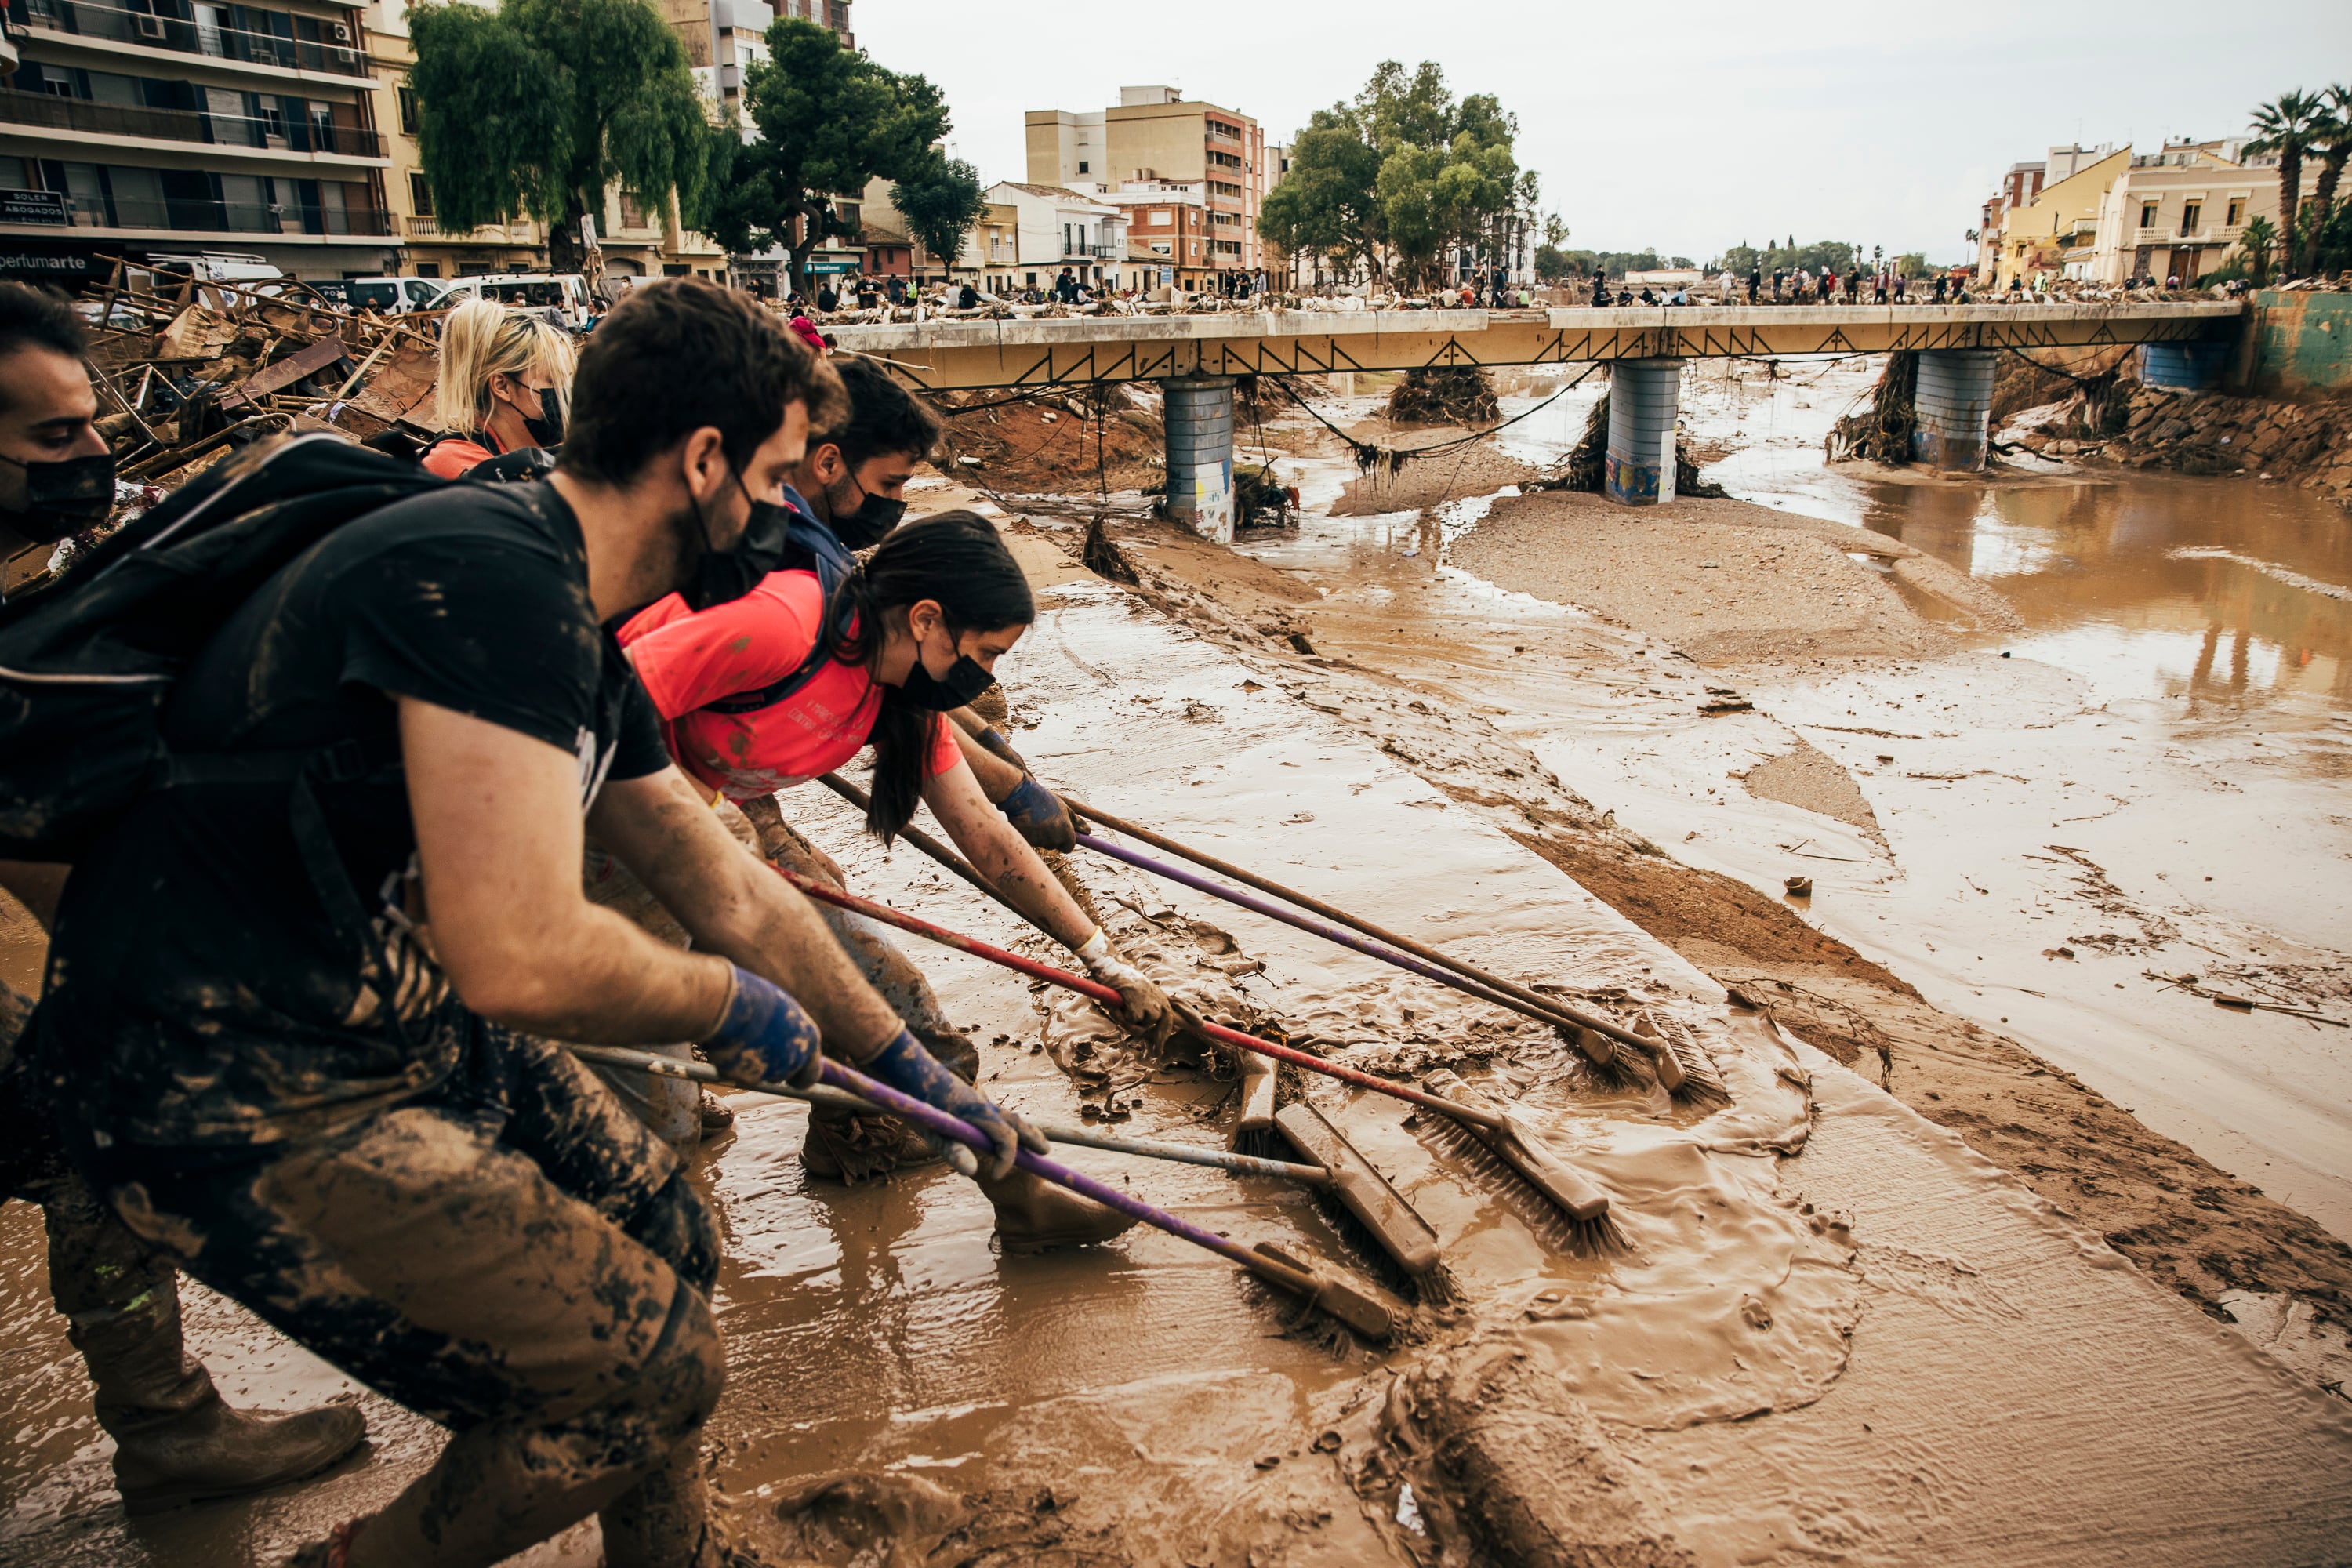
(1644, 398)
(1200, 419)
(1954, 403)
(2183, 367)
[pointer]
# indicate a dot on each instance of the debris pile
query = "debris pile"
(188, 370)
(1881, 432)
(1444, 395)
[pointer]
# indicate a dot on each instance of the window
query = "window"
(428, 269)
(1157, 217)
(2147, 214)
(2189, 213)
(420, 194)
(1081, 166)
(408, 110)
(2237, 212)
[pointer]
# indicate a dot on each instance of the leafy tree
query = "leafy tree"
(2331, 136)
(1552, 263)
(940, 200)
(540, 106)
(829, 120)
(1393, 179)
(2258, 239)
(1822, 255)
(2284, 127)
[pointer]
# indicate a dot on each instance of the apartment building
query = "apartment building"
(1056, 227)
(1168, 232)
(1156, 134)
(2177, 212)
(177, 127)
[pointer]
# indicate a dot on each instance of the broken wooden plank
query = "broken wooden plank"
(286, 372)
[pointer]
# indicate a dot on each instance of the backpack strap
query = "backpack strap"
(776, 692)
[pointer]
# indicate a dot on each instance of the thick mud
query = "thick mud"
(1820, 1325)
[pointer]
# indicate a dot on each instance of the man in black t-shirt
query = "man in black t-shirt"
(296, 1033)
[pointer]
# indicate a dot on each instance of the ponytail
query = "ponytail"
(957, 560)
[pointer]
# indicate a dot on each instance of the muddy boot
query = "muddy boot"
(844, 1147)
(1033, 1214)
(176, 1441)
(716, 1115)
(664, 1521)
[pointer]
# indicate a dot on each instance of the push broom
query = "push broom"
(1577, 1197)
(1364, 1307)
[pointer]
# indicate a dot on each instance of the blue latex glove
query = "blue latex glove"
(1039, 816)
(764, 1038)
(904, 1066)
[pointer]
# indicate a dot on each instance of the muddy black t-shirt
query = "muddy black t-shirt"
(200, 991)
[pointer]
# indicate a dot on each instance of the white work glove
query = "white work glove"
(1144, 1008)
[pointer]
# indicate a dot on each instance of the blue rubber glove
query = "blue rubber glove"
(1039, 816)
(904, 1066)
(764, 1037)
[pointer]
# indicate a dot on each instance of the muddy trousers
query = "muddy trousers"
(513, 1256)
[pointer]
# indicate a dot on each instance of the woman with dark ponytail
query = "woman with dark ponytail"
(770, 690)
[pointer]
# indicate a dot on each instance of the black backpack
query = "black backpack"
(88, 663)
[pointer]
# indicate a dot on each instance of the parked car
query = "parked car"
(563, 296)
(393, 296)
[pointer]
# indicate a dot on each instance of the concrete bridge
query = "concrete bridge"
(1197, 358)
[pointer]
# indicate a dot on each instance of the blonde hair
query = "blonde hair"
(481, 338)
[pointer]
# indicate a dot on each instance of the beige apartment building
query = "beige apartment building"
(1156, 136)
(2124, 216)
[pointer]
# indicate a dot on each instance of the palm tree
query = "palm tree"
(2331, 137)
(2283, 127)
(2256, 239)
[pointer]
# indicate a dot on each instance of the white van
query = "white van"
(215, 267)
(563, 293)
(392, 296)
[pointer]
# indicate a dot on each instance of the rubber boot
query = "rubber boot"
(664, 1521)
(1033, 1214)
(176, 1441)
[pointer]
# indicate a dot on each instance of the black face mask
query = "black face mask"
(964, 680)
(720, 576)
(870, 523)
(547, 430)
(46, 501)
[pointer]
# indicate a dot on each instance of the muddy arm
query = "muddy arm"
(735, 907)
(1000, 854)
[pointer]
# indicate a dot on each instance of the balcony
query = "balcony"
(429, 227)
(75, 116)
(333, 51)
(2211, 234)
(288, 219)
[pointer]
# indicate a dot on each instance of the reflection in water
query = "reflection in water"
(2148, 585)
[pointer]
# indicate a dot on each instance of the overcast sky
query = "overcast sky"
(1690, 128)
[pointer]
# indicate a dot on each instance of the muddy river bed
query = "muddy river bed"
(1820, 1324)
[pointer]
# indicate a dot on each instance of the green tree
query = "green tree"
(941, 199)
(2331, 138)
(829, 120)
(1552, 264)
(2258, 239)
(1394, 178)
(2284, 127)
(538, 107)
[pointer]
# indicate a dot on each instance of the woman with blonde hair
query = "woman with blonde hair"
(505, 380)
